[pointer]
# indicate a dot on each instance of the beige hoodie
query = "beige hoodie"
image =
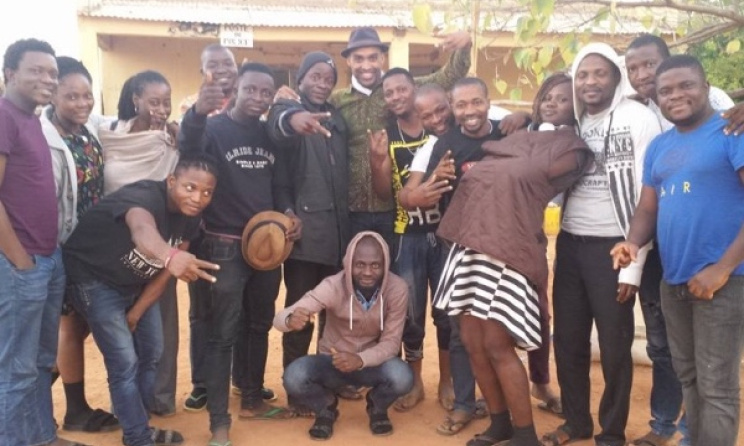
(375, 335)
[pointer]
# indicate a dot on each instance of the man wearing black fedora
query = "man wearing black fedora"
(363, 108)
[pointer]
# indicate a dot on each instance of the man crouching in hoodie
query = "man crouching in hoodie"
(365, 308)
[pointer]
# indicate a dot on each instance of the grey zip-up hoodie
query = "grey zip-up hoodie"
(628, 128)
(375, 334)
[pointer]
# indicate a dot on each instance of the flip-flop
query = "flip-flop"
(552, 406)
(217, 443)
(650, 439)
(486, 440)
(273, 413)
(451, 426)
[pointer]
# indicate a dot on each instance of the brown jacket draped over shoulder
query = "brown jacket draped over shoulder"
(498, 208)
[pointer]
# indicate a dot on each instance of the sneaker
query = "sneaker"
(197, 400)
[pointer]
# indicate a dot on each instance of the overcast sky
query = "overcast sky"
(52, 20)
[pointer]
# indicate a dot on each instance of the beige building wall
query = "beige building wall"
(115, 49)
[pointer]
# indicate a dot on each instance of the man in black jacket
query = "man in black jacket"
(252, 170)
(314, 137)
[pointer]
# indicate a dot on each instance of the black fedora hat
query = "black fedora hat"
(362, 38)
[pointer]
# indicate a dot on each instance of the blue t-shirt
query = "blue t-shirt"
(700, 196)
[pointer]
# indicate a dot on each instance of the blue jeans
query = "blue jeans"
(241, 304)
(30, 305)
(131, 359)
(313, 380)
(419, 261)
(706, 338)
(666, 391)
(463, 380)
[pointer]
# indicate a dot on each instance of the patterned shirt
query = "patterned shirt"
(87, 153)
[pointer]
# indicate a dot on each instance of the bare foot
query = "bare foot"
(446, 395)
(543, 392)
(550, 402)
(221, 435)
(411, 399)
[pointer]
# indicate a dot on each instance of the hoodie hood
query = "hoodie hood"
(348, 279)
(608, 53)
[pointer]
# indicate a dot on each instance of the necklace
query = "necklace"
(403, 138)
(58, 123)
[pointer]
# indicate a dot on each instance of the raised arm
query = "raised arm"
(458, 64)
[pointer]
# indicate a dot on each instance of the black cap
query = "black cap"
(362, 38)
(313, 58)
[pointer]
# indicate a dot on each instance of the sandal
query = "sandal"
(552, 406)
(481, 409)
(486, 440)
(164, 437)
(266, 412)
(217, 443)
(380, 424)
(651, 439)
(451, 425)
(561, 435)
(322, 428)
(301, 410)
(95, 421)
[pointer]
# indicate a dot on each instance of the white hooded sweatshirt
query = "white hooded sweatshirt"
(602, 203)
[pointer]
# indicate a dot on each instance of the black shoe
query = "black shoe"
(322, 428)
(197, 400)
(268, 394)
(379, 423)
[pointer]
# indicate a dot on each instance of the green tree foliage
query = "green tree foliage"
(722, 59)
(548, 33)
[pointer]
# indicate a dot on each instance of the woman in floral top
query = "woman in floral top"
(78, 171)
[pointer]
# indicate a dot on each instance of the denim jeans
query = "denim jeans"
(131, 359)
(241, 303)
(30, 305)
(706, 338)
(380, 222)
(463, 380)
(313, 380)
(666, 391)
(199, 299)
(419, 260)
(299, 278)
(164, 390)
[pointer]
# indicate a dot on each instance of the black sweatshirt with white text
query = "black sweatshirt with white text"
(252, 171)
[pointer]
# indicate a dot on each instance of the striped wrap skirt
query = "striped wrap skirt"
(481, 286)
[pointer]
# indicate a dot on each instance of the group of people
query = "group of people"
(388, 192)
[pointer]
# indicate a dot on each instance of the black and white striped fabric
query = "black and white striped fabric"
(486, 288)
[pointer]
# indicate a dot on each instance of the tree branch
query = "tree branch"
(704, 33)
(722, 13)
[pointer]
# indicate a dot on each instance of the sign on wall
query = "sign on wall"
(236, 36)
